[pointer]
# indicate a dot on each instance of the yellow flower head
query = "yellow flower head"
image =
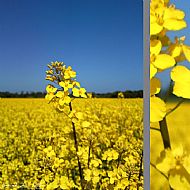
(163, 17)
(66, 85)
(69, 73)
(79, 92)
(51, 89)
(62, 76)
(64, 100)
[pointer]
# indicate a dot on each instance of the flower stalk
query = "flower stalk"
(165, 133)
(76, 148)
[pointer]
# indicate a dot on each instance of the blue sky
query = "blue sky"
(101, 39)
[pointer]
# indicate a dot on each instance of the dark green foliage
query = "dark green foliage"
(127, 94)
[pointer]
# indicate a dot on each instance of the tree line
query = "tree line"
(127, 94)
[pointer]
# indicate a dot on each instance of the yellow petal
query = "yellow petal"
(61, 102)
(60, 94)
(160, 10)
(166, 161)
(83, 95)
(155, 3)
(83, 90)
(155, 47)
(178, 150)
(75, 92)
(77, 84)
(175, 50)
(179, 179)
(155, 28)
(85, 124)
(186, 51)
(181, 76)
(180, 73)
(155, 86)
(50, 89)
(62, 84)
(73, 74)
(87, 174)
(186, 163)
(49, 97)
(64, 182)
(152, 18)
(171, 13)
(67, 99)
(173, 24)
(79, 115)
(182, 89)
(164, 61)
(157, 109)
(153, 70)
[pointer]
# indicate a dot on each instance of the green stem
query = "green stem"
(140, 170)
(169, 91)
(163, 123)
(89, 149)
(158, 170)
(176, 106)
(164, 133)
(161, 174)
(141, 164)
(154, 128)
(119, 159)
(76, 148)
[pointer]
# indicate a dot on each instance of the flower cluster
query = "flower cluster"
(176, 164)
(68, 87)
(165, 54)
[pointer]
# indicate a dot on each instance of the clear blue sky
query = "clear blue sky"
(183, 5)
(101, 39)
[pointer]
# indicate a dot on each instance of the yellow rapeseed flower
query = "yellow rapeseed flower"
(165, 18)
(79, 92)
(163, 61)
(75, 83)
(49, 97)
(69, 73)
(50, 92)
(64, 100)
(60, 94)
(66, 85)
(181, 76)
(157, 60)
(51, 89)
(175, 164)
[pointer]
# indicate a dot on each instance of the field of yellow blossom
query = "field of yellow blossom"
(37, 150)
(178, 126)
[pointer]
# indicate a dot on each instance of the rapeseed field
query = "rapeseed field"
(37, 149)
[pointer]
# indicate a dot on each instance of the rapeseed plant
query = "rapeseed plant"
(165, 54)
(100, 164)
